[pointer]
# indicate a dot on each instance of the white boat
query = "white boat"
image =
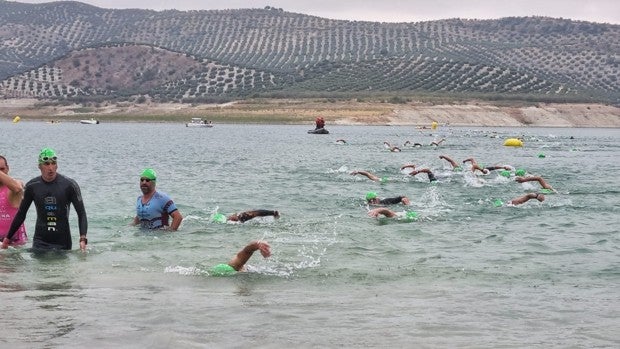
(198, 122)
(90, 121)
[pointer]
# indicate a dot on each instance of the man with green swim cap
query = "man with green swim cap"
(53, 194)
(237, 263)
(154, 208)
(372, 199)
(408, 216)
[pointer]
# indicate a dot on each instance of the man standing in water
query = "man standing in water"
(153, 208)
(52, 194)
(11, 194)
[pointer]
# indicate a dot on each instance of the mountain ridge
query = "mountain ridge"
(61, 51)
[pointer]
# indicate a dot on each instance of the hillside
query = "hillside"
(69, 50)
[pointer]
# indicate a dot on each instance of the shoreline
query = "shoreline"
(474, 113)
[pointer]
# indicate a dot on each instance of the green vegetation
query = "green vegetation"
(79, 53)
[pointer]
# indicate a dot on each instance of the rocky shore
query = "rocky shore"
(339, 112)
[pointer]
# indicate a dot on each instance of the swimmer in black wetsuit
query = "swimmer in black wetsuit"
(52, 194)
(247, 215)
(431, 176)
(372, 199)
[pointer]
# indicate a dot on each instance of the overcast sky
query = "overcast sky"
(602, 11)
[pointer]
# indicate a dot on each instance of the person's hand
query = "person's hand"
(5, 243)
(83, 246)
(264, 248)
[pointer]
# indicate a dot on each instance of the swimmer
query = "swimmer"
(341, 141)
(455, 165)
(372, 199)
(437, 143)
(390, 147)
(237, 263)
(412, 144)
(431, 176)
(538, 179)
(370, 176)
(382, 211)
(475, 167)
(527, 197)
(246, 216)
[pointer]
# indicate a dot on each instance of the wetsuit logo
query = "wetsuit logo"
(50, 207)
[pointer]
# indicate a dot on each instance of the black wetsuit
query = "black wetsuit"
(52, 200)
(246, 216)
(391, 201)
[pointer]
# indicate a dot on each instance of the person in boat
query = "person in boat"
(319, 123)
(154, 208)
(53, 194)
(238, 261)
(373, 199)
(11, 195)
(538, 179)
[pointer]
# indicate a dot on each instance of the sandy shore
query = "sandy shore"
(341, 113)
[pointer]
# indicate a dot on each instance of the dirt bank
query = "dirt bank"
(339, 112)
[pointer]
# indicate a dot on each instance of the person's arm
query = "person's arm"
(527, 197)
(450, 160)
(381, 211)
(475, 168)
(367, 174)
(78, 205)
(538, 179)
(19, 218)
(177, 218)
(407, 166)
(239, 260)
(472, 160)
(15, 186)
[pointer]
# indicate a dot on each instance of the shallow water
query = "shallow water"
(466, 274)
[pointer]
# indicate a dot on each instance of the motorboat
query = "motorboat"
(91, 121)
(198, 122)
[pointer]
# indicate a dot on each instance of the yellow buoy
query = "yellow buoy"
(16, 119)
(513, 142)
(434, 125)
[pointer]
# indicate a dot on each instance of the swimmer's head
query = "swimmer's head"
(222, 270)
(383, 179)
(371, 195)
(218, 218)
(541, 155)
(520, 172)
(505, 173)
(47, 154)
(498, 203)
(149, 173)
(411, 216)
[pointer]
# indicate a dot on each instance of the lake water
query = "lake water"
(467, 274)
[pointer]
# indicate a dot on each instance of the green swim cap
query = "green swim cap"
(505, 173)
(47, 154)
(149, 173)
(383, 179)
(222, 270)
(541, 155)
(371, 195)
(411, 216)
(218, 218)
(520, 172)
(498, 203)
(546, 191)
(457, 169)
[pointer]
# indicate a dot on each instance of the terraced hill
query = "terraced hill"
(72, 50)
